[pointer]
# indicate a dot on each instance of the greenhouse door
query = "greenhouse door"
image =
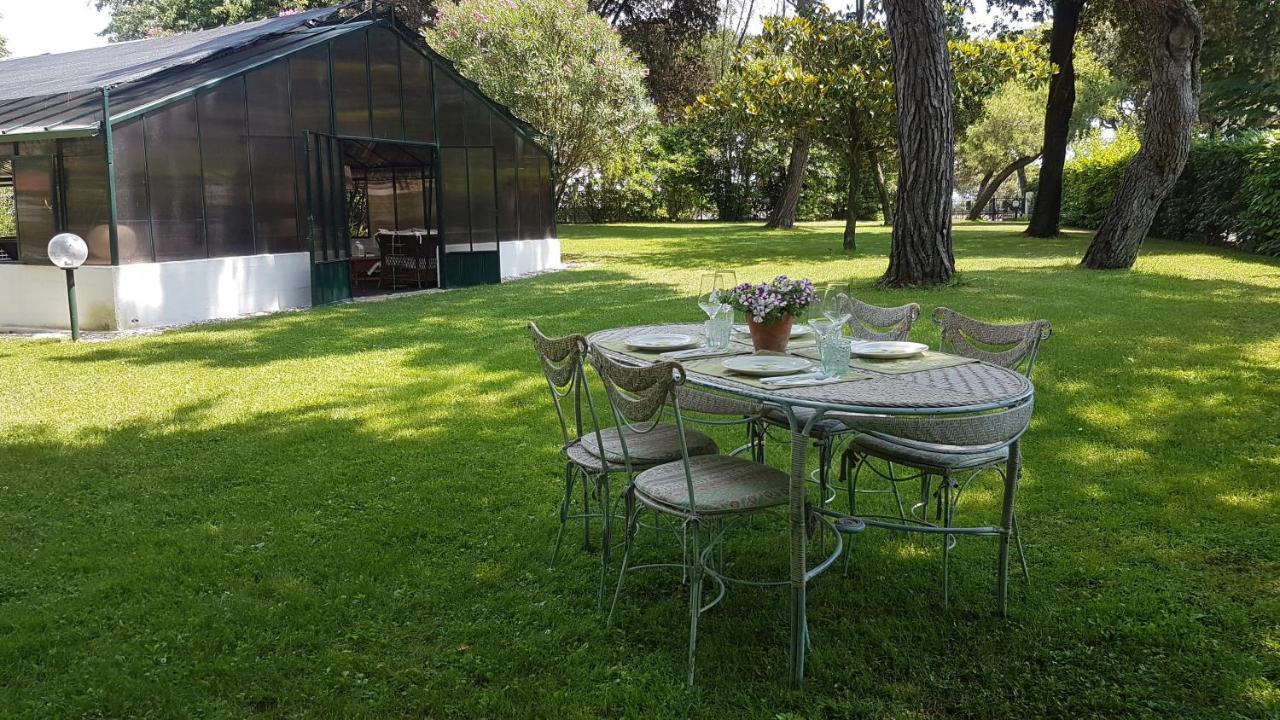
(327, 220)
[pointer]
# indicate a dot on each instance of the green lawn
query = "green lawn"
(348, 512)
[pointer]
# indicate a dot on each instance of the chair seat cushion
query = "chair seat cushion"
(722, 484)
(939, 457)
(583, 458)
(824, 428)
(648, 446)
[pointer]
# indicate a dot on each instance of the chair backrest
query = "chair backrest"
(638, 395)
(872, 322)
(1013, 346)
(561, 360)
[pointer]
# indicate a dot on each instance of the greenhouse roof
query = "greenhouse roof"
(50, 96)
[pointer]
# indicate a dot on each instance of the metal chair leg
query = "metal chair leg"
(586, 513)
(946, 541)
(606, 518)
(893, 485)
(1022, 553)
(629, 503)
(824, 470)
(1013, 471)
(695, 595)
(569, 474)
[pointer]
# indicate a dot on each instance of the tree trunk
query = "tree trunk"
(988, 192)
(783, 214)
(1022, 181)
(921, 250)
(986, 180)
(853, 192)
(1174, 34)
(886, 207)
(1047, 212)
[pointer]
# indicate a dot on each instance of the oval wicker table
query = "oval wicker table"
(964, 389)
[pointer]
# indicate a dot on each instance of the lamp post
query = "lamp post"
(69, 252)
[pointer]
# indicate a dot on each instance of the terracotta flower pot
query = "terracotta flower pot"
(771, 335)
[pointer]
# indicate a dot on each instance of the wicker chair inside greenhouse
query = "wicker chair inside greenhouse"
(955, 450)
(699, 491)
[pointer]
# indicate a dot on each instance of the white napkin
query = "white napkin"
(813, 378)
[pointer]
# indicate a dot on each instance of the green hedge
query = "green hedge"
(1228, 194)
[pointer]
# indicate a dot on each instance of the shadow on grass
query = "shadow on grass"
(349, 511)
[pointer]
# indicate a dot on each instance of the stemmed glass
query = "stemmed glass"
(710, 294)
(833, 306)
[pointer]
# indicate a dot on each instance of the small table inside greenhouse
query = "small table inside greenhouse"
(958, 389)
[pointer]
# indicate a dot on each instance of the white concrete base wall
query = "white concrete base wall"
(34, 297)
(151, 294)
(517, 257)
(184, 291)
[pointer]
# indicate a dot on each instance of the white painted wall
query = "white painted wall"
(183, 291)
(149, 294)
(517, 257)
(34, 297)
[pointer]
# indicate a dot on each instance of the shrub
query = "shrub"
(1260, 217)
(1090, 179)
(1228, 194)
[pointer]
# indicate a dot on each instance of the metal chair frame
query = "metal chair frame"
(636, 395)
(968, 337)
(562, 364)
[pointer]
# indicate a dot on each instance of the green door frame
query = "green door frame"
(327, 213)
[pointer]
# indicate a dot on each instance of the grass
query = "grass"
(348, 512)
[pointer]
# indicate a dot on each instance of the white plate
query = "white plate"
(797, 330)
(661, 341)
(887, 349)
(767, 365)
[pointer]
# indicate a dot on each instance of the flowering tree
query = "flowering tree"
(557, 65)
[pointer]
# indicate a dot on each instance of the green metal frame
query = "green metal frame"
(113, 228)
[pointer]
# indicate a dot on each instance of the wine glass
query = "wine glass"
(833, 305)
(728, 281)
(710, 294)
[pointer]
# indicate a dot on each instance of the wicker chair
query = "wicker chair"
(866, 322)
(699, 491)
(593, 453)
(943, 452)
(871, 322)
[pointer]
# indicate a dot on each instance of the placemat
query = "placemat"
(715, 368)
(928, 360)
(620, 347)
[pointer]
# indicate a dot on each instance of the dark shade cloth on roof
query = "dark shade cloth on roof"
(125, 62)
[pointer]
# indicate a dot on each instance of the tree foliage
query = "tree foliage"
(1010, 123)
(136, 19)
(556, 64)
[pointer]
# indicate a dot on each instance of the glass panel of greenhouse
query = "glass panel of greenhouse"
(251, 150)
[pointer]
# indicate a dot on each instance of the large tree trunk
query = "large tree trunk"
(1047, 212)
(1174, 34)
(992, 187)
(886, 207)
(783, 214)
(853, 192)
(921, 251)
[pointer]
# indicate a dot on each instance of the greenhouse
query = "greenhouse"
(276, 164)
